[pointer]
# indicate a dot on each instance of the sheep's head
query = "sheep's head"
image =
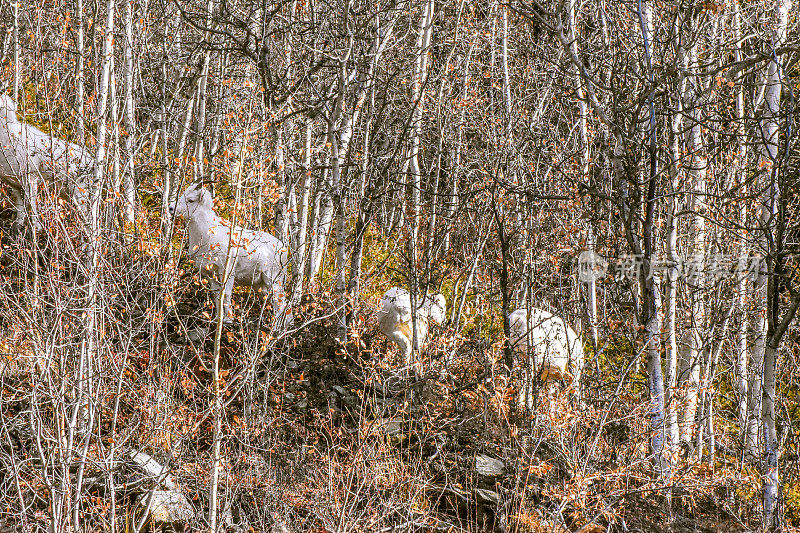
(193, 198)
(437, 309)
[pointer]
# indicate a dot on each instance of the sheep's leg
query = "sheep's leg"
(283, 312)
(18, 197)
(402, 342)
(526, 392)
(30, 181)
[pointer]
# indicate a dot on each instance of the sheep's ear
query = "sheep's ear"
(211, 188)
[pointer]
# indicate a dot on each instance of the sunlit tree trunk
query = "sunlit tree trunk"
(299, 254)
(676, 172)
(365, 100)
(690, 359)
(128, 182)
(424, 31)
(649, 284)
(740, 166)
(583, 130)
(79, 74)
(769, 218)
(455, 168)
(201, 98)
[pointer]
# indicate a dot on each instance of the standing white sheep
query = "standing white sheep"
(555, 352)
(394, 318)
(27, 153)
(258, 259)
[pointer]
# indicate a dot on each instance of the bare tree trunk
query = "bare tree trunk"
(455, 169)
(690, 364)
(128, 181)
(301, 231)
(217, 398)
(649, 284)
(323, 216)
(740, 164)
(15, 44)
(768, 218)
(281, 220)
(93, 316)
(415, 172)
(366, 205)
(79, 74)
(202, 85)
(591, 285)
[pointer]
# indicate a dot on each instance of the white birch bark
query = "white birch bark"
(339, 140)
(649, 284)
(382, 36)
(768, 213)
(424, 31)
(455, 170)
(79, 74)
(583, 130)
(740, 162)
(739, 169)
(676, 171)
(323, 216)
(93, 316)
(128, 182)
(301, 230)
(201, 97)
(281, 220)
(15, 44)
(689, 363)
(217, 399)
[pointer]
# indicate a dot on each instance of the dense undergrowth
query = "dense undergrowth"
(323, 437)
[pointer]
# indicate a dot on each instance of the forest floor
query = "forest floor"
(319, 436)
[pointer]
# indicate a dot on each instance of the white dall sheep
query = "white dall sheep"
(394, 318)
(258, 259)
(27, 153)
(555, 352)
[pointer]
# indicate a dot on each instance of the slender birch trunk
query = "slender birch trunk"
(366, 206)
(300, 232)
(768, 217)
(689, 364)
(217, 398)
(79, 74)
(740, 163)
(648, 282)
(322, 219)
(583, 130)
(202, 89)
(128, 181)
(455, 170)
(89, 344)
(424, 31)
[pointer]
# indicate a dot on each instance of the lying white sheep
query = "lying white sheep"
(555, 352)
(258, 259)
(27, 153)
(394, 318)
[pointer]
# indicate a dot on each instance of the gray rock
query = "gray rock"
(487, 466)
(196, 335)
(391, 429)
(487, 496)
